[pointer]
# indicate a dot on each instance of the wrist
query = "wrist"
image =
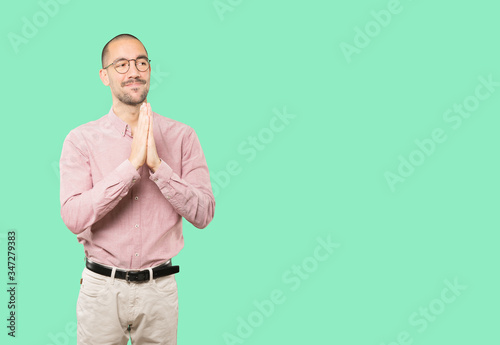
(136, 166)
(157, 165)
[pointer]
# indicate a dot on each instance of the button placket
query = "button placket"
(136, 222)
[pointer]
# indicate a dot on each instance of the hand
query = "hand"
(139, 143)
(153, 160)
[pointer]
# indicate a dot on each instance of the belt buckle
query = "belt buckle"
(127, 277)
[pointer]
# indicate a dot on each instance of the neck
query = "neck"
(128, 113)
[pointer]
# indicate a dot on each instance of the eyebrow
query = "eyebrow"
(123, 58)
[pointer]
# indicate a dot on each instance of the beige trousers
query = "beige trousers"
(107, 306)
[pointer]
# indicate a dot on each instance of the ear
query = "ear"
(103, 74)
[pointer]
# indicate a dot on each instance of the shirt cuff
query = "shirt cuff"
(128, 173)
(162, 175)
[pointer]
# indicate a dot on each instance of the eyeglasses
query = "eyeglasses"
(123, 65)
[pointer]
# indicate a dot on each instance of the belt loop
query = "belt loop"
(113, 271)
(150, 274)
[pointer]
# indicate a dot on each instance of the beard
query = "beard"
(130, 97)
(129, 100)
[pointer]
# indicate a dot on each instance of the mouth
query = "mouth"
(133, 85)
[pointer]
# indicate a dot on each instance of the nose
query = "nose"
(133, 72)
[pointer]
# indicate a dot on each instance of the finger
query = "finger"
(148, 111)
(150, 131)
(143, 118)
(142, 109)
(150, 115)
(143, 113)
(140, 120)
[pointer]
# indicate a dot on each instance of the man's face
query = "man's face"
(132, 87)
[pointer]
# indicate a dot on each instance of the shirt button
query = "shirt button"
(168, 197)
(136, 254)
(133, 180)
(136, 198)
(137, 225)
(119, 198)
(156, 179)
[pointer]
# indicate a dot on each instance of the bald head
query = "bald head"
(105, 50)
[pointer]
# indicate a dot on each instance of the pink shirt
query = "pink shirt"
(130, 218)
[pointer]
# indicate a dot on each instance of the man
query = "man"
(127, 179)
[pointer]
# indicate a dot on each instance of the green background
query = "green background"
(322, 177)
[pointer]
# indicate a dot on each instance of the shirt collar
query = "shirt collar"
(121, 126)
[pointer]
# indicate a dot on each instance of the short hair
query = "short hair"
(105, 50)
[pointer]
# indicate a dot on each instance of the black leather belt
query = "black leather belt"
(133, 276)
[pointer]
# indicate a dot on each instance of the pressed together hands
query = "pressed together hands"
(143, 143)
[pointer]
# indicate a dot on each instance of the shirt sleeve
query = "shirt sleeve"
(82, 202)
(191, 193)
